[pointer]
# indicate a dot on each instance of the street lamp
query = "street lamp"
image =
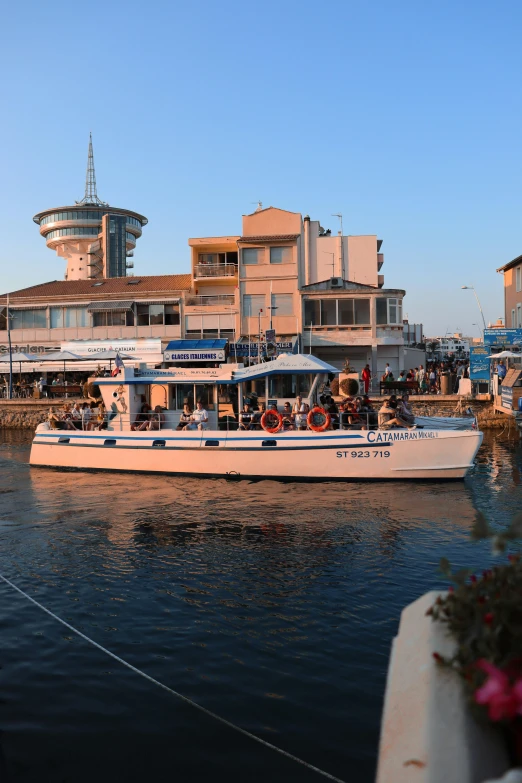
(472, 288)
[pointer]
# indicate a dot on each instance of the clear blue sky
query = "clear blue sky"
(405, 116)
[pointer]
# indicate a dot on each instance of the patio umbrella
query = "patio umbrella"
(111, 355)
(62, 356)
(505, 355)
(20, 357)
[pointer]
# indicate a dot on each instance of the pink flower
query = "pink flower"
(504, 701)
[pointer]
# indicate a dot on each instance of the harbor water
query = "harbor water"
(271, 604)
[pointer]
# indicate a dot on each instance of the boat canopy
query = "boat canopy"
(285, 364)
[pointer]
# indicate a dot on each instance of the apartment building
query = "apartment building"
(512, 293)
(319, 292)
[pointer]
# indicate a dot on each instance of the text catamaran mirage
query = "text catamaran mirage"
(220, 449)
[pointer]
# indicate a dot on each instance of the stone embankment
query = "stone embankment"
(27, 414)
(453, 405)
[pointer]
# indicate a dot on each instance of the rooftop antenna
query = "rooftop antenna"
(91, 197)
(259, 205)
(339, 215)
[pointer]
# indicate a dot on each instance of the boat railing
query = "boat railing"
(169, 420)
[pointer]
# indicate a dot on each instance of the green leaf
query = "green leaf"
(515, 528)
(444, 566)
(459, 577)
(480, 527)
(498, 545)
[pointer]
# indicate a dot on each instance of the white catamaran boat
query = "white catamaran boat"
(219, 448)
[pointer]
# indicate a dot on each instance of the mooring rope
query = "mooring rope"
(199, 707)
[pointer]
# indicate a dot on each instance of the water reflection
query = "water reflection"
(273, 604)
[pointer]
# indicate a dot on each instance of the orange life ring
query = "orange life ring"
(273, 415)
(318, 427)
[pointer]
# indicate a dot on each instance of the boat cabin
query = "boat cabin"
(222, 390)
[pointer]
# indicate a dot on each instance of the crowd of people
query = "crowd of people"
(80, 416)
(428, 379)
(349, 413)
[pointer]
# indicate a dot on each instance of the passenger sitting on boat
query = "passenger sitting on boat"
(388, 415)
(157, 419)
(86, 416)
(76, 416)
(101, 423)
(350, 415)
(66, 416)
(185, 418)
(142, 419)
(256, 422)
(368, 410)
(333, 410)
(298, 411)
(54, 421)
(199, 418)
(246, 417)
(402, 377)
(288, 419)
(405, 411)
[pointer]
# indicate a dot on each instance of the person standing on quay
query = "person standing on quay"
(366, 376)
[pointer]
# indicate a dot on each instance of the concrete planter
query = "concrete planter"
(428, 734)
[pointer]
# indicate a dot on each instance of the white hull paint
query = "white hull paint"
(332, 455)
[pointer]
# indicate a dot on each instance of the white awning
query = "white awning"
(285, 364)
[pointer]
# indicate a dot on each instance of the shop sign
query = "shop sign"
(195, 356)
(254, 349)
(28, 348)
(479, 362)
(143, 349)
(503, 336)
(507, 397)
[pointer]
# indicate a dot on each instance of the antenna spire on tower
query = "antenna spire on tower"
(91, 196)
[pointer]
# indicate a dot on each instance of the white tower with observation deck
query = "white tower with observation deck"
(96, 239)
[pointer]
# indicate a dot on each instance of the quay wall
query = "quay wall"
(27, 414)
(453, 405)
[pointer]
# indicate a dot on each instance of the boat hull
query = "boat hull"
(380, 455)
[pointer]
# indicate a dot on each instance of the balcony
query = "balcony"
(215, 270)
(218, 300)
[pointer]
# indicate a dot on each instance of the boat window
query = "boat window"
(184, 393)
(109, 442)
(211, 443)
(284, 386)
(158, 444)
(63, 440)
(205, 393)
(269, 443)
